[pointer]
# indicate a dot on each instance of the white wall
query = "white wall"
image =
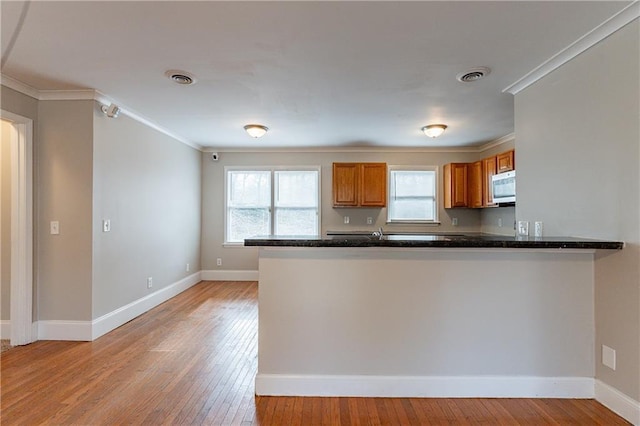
(149, 186)
(434, 316)
(578, 137)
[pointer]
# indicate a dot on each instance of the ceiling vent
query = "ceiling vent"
(180, 77)
(474, 74)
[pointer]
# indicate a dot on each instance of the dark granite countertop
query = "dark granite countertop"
(451, 240)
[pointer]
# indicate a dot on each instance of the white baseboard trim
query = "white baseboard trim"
(5, 329)
(91, 330)
(621, 404)
(229, 275)
(64, 330)
(115, 319)
(425, 386)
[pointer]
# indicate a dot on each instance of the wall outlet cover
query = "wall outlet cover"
(537, 229)
(609, 357)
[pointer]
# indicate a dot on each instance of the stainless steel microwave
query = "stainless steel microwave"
(504, 187)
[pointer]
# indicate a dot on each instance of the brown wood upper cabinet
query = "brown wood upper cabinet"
(488, 169)
(359, 184)
(506, 161)
(476, 178)
(455, 185)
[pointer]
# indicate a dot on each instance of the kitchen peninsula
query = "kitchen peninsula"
(427, 315)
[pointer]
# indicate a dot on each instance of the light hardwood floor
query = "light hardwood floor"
(192, 360)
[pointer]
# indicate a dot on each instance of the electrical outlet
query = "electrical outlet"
(523, 228)
(454, 221)
(54, 227)
(537, 229)
(188, 268)
(149, 282)
(609, 357)
(106, 225)
(369, 221)
(219, 261)
(346, 220)
(499, 222)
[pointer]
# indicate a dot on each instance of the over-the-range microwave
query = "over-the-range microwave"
(504, 188)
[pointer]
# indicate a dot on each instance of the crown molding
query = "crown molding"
(453, 149)
(604, 30)
(67, 95)
(496, 142)
(88, 95)
(19, 86)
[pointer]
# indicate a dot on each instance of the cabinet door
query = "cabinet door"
(475, 176)
(345, 184)
(455, 185)
(505, 161)
(373, 184)
(489, 169)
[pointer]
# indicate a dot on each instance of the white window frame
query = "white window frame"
(419, 168)
(272, 170)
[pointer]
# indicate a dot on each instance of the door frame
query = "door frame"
(21, 300)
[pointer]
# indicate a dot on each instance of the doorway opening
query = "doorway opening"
(20, 150)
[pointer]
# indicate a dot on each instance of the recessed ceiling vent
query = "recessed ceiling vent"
(473, 74)
(180, 77)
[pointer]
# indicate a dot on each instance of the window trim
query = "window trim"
(420, 168)
(271, 170)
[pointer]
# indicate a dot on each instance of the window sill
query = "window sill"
(414, 222)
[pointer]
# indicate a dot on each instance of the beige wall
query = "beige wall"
(64, 160)
(148, 185)
(240, 258)
(5, 217)
(577, 132)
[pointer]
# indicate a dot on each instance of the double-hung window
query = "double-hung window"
(274, 201)
(412, 194)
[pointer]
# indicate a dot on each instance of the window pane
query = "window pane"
(412, 195)
(249, 189)
(413, 209)
(413, 183)
(296, 188)
(296, 221)
(247, 222)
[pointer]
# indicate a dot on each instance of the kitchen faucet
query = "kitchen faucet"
(378, 233)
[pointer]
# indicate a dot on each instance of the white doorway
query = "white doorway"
(20, 133)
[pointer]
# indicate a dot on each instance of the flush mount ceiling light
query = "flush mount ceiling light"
(434, 130)
(112, 110)
(256, 130)
(474, 74)
(180, 77)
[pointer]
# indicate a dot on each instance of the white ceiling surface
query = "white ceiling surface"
(318, 74)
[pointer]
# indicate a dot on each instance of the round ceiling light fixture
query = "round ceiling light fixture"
(434, 130)
(256, 130)
(474, 74)
(180, 77)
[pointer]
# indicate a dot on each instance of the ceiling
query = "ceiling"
(318, 74)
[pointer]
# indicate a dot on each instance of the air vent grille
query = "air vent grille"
(473, 74)
(180, 77)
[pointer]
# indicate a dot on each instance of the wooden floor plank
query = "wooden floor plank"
(193, 360)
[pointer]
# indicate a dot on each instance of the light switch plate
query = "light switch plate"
(106, 225)
(523, 228)
(54, 227)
